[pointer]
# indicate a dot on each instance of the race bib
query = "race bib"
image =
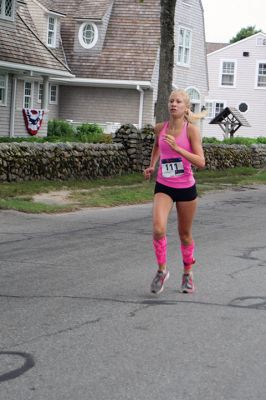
(172, 167)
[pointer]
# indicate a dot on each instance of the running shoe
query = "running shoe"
(157, 284)
(187, 283)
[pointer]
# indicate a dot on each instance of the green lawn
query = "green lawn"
(114, 191)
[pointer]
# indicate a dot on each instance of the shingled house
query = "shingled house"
(25, 61)
(93, 61)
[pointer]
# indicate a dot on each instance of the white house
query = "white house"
(237, 78)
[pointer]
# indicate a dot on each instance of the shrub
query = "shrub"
(210, 140)
(240, 140)
(59, 128)
(261, 140)
(89, 129)
(90, 133)
(235, 140)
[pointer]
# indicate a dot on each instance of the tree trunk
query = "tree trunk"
(167, 21)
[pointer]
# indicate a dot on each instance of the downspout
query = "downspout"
(141, 102)
(13, 105)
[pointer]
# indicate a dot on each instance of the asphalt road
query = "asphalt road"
(78, 321)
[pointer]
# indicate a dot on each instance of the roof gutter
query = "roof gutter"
(31, 69)
(112, 83)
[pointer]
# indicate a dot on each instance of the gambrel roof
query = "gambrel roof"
(19, 44)
(130, 44)
(92, 9)
(79, 8)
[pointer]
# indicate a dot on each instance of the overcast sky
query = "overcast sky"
(224, 19)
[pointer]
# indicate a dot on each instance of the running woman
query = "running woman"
(178, 146)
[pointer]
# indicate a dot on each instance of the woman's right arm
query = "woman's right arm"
(154, 154)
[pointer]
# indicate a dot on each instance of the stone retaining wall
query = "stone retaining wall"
(138, 146)
(221, 156)
(130, 152)
(32, 161)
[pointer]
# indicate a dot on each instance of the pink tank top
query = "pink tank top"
(174, 170)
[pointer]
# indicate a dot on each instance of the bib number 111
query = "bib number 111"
(172, 167)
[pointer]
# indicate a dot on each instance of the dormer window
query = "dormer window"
(88, 35)
(7, 9)
(51, 35)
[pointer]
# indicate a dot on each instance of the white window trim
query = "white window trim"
(190, 45)
(196, 101)
(214, 102)
(3, 16)
(53, 44)
(39, 99)
(210, 102)
(221, 73)
(50, 100)
(96, 35)
(257, 75)
(31, 95)
(4, 103)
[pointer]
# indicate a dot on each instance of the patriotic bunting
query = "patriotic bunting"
(33, 120)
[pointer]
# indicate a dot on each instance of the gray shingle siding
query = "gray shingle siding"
(195, 74)
(88, 104)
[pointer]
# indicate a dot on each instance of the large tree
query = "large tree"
(244, 33)
(167, 44)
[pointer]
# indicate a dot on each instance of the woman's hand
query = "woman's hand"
(148, 172)
(171, 141)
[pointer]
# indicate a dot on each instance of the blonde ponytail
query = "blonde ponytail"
(192, 117)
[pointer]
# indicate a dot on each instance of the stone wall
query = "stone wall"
(138, 146)
(130, 152)
(32, 161)
(221, 156)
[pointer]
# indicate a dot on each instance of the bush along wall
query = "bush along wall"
(129, 152)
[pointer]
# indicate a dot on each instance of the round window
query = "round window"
(88, 35)
(243, 107)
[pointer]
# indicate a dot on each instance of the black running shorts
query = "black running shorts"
(186, 194)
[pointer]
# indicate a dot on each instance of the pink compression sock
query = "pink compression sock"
(188, 255)
(160, 248)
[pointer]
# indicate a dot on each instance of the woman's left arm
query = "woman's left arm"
(197, 156)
